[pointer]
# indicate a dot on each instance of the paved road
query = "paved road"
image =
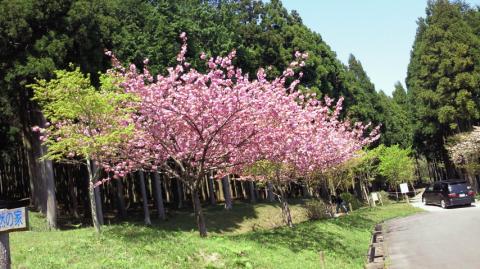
(436, 239)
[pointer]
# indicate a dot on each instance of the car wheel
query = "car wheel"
(443, 204)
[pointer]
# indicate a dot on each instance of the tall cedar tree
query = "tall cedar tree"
(443, 78)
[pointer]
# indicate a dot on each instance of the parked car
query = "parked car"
(449, 193)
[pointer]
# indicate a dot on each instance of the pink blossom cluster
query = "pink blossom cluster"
(222, 120)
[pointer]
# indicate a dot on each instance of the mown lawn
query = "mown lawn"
(242, 238)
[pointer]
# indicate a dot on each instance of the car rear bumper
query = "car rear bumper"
(461, 201)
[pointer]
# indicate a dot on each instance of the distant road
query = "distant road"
(436, 239)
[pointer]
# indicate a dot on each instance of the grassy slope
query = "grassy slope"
(238, 239)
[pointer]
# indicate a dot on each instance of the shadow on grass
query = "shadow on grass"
(218, 221)
(330, 235)
(308, 236)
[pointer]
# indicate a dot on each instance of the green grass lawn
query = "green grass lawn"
(242, 238)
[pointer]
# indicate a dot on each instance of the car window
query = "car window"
(430, 188)
(458, 187)
(437, 187)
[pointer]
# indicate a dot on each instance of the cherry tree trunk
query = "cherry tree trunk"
(5, 260)
(91, 194)
(199, 217)
(227, 193)
(158, 196)
(287, 216)
(97, 194)
(120, 199)
(143, 190)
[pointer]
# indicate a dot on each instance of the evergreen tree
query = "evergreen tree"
(443, 77)
(399, 95)
(363, 102)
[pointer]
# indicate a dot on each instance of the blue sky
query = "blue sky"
(379, 33)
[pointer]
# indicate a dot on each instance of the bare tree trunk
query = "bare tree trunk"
(430, 176)
(472, 180)
(91, 194)
(200, 218)
(50, 192)
(417, 168)
(211, 189)
(72, 194)
(120, 198)
(5, 260)
(143, 190)
(364, 189)
(179, 192)
(475, 178)
(158, 196)
(251, 187)
(413, 188)
(270, 196)
(227, 193)
(305, 191)
(31, 171)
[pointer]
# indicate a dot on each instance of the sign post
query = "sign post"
(10, 220)
(404, 190)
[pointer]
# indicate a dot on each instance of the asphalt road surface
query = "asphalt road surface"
(436, 239)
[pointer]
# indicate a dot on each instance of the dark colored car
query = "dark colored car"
(449, 193)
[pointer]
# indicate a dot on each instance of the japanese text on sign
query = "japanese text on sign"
(13, 219)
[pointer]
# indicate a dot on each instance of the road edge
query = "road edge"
(376, 251)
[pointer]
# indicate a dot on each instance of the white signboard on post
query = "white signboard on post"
(374, 196)
(13, 219)
(404, 188)
(10, 220)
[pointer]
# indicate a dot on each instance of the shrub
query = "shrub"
(349, 198)
(317, 210)
(385, 197)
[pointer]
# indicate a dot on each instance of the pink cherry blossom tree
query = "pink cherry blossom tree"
(306, 136)
(192, 123)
